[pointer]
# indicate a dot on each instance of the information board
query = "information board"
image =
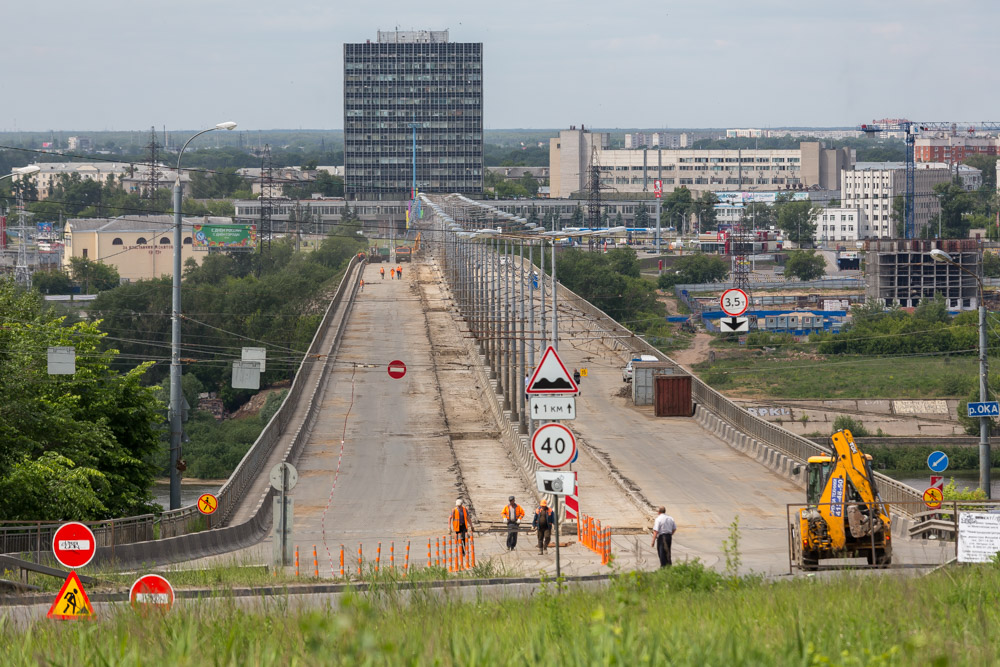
(978, 536)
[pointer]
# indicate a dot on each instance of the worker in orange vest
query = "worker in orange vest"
(544, 520)
(512, 514)
(399, 271)
(392, 273)
(460, 524)
(382, 271)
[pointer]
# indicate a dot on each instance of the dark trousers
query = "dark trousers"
(663, 542)
(511, 535)
(460, 538)
(544, 535)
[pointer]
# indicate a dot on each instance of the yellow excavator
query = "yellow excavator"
(844, 515)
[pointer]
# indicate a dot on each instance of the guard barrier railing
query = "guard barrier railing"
(19, 537)
(591, 534)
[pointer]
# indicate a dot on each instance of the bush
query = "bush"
(846, 422)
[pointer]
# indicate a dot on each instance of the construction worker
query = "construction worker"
(460, 524)
(543, 522)
(362, 284)
(399, 271)
(382, 271)
(392, 273)
(512, 514)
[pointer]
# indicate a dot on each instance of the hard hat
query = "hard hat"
(544, 502)
(511, 499)
(458, 503)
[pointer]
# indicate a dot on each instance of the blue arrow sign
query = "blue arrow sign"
(937, 461)
(987, 409)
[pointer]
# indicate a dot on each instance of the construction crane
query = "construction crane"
(911, 129)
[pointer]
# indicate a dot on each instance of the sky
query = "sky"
(120, 65)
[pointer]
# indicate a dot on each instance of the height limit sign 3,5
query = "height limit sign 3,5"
(734, 302)
(553, 445)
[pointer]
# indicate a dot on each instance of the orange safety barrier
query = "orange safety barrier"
(430, 559)
(296, 562)
(472, 550)
(378, 556)
(449, 554)
(406, 563)
(315, 563)
(392, 555)
(437, 542)
(341, 560)
(359, 559)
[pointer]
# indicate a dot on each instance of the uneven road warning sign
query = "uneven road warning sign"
(207, 503)
(72, 602)
(151, 592)
(551, 376)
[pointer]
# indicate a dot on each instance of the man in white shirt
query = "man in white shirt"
(663, 536)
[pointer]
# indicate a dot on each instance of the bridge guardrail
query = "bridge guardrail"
(36, 536)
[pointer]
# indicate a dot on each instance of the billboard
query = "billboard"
(225, 236)
(741, 198)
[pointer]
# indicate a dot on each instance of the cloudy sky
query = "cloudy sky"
(130, 64)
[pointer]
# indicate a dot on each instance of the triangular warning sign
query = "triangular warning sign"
(551, 376)
(72, 601)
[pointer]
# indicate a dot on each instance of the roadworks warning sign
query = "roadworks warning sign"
(72, 602)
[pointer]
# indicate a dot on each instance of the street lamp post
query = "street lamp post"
(176, 396)
(984, 422)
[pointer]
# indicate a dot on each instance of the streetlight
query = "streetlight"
(939, 255)
(22, 171)
(176, 396)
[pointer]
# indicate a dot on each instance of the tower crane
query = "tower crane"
(911, 129)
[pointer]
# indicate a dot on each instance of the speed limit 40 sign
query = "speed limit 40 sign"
(734, 302)
(553, 445)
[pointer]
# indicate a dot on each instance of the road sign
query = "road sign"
(556, 483)
(397, 369)
(573, 500)
(734, 302)
(734, 324)
(552, 407)
(937, 482)
(551, 376)
(73, 545)
(933, 497)
(290, 481)
(207, 503)
(553, 445)
(72, 602)
(151, 592)
(584, 372)
(987, 409)
(657, 187)
(937, 461)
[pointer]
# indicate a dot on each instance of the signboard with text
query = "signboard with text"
(225, 236)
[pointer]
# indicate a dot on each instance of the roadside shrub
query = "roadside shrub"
(855, 426)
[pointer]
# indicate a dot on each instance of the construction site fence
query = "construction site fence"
(819, 284)
(448, 552)
(596, 537)
(628, 345)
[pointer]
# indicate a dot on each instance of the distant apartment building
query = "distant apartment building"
(630, 171)
(406, 82)
(953, 148)
(131, 177)
(838, 224)
(652, 140)
(745, 134)
(79, 144)
(871, 187)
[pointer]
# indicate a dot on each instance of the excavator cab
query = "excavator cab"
(817, 473)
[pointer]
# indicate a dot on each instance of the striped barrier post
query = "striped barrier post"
(449, 554)
(437, 542)
(430, 559)
(359, 559)
(392, 555)
(296, 562)
(378, 556)
(315, 563)
(341, 561)
(406, 563)
(472, 550)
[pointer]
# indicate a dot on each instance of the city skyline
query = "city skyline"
(683, 65)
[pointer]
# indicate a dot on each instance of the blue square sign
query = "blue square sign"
(987, 409)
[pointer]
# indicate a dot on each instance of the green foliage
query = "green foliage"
(991, 265)
(731, 548)
(93, 277)
(846, 422)
(914, 458)
(52, 282)
(576, 220)
(218, 184)
(932, 311)
(955, 203)
(797, 219)
(641, 215)
(695, 269)
(952, 492)
(805, 265)
(99, 425)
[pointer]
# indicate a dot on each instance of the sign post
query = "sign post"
(283, 478)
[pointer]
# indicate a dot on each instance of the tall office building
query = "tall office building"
(405, 80)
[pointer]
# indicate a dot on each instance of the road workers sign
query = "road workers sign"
(551, 376)
(72, 602)
(933, 497)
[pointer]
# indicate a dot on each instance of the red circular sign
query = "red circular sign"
(207, 503)
(397, 369)
(734, 302)
(553, 445)
(151, 592)
(73, 545)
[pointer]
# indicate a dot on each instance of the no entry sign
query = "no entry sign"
(73, 545)
(397, 369)
(151, 592)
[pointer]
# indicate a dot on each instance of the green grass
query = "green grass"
(842, 376)
(684, 616)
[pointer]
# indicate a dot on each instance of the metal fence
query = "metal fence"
(823, 283)
(20, 537)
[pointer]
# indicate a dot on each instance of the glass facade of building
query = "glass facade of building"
(406, 79)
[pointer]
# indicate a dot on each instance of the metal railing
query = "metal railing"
(21, 537)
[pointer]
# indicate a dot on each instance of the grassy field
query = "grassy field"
(842, 376)
(684, 616)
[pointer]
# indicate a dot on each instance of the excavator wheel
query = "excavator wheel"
(806, 560)
(880, 557)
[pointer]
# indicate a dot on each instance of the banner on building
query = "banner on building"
(225, 236)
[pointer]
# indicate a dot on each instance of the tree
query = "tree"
(805, 265)
(576, 220)
(52, 282)
(93, 276)
(899, 216)
(797, 219)
(641, 215)
(932, 310)
(955, 202)
(529, 184)
(991, 264)
(706, 211)
(618, 219)
(986, 164)
(695, 270)
(677, 205)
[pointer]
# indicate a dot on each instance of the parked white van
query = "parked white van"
(627, 371)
